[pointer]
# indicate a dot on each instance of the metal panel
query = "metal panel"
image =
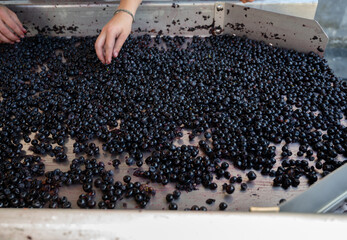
(329, 195)
(187, 18)
(324, 196)
(88, 19)
(280, 30)
(299, 8)
(219, 17)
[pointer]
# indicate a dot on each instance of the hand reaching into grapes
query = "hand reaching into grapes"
(113, 36)
(116, 31)
(11, 29)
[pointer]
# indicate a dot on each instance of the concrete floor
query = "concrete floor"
(332, 16)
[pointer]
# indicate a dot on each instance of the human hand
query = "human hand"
(113, 36)
(11, 29)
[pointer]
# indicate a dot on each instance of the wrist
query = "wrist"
(130, 5)
(125, 13)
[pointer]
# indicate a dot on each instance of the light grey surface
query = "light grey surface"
(342, 208)
(118, 225)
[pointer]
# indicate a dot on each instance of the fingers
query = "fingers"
(115, 53)
(99, 47)
(119, 43)
(17, 21)
(6, 32)
(13, 25)
(109, 45)
(112, 37)
(106, 46)
(10, 26)
(4, 39)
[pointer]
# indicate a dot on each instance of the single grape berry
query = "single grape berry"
(223, 206)
(127, 179)
(244, 186)
(176, 194)
(230, 189)
(251, 175)
(115, 163)
(203, 208)
(169, 197)
(173, 206)
(210, 201)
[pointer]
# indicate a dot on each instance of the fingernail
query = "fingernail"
(22, 36)
(115, 54)
(18, 41)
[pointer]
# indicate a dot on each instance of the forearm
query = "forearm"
(130, 5)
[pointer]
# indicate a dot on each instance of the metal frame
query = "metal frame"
(298, 8)
(324, 196)
(185, 18)
(88, 19)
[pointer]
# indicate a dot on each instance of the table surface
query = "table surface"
(259, 193)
